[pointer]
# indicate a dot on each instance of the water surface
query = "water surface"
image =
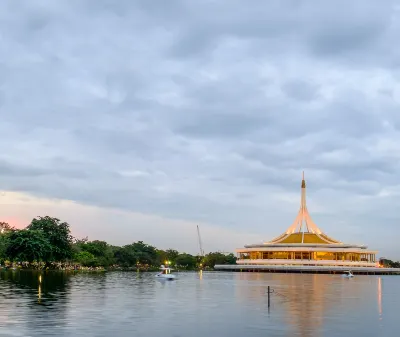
(197, 304)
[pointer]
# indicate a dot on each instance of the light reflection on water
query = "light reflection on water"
(197, 304)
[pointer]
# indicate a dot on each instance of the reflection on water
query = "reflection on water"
(216, 304)
(380, 297)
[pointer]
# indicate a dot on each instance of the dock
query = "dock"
(306, 269)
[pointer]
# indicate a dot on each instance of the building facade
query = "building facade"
(304, 244)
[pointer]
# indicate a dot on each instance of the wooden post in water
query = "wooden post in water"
(269, 294)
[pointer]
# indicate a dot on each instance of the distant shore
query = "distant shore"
(100, 269)
(46, 243)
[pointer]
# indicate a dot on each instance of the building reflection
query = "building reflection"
(305, 301)
(305, 304)
(379, 292)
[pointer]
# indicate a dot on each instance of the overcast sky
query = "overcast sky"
(141, 119)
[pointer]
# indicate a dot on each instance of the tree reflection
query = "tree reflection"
(38, 291)
(43, 287)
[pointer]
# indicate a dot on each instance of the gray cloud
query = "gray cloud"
(206, 111)
(300, 90)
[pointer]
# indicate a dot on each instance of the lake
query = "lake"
(197, 304)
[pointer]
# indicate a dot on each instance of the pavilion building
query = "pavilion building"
(304, 244)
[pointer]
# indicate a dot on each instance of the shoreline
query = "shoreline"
(306, 269)
(87, 270)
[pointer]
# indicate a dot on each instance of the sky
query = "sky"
(138, 120)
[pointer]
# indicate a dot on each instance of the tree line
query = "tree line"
(386, 263)
(48, 242)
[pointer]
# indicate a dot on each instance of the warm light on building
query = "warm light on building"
(304, 244)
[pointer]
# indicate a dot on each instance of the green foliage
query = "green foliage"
(161, 256)
(97, 248)
(5, 227)
(186, 261)
(101, 251)
(126, 257)
(211, 259)
(389, 263)
(45, 239)
(58, 235)
(5, 231)
(28, 245)
(230, 259)
(85, 259)
(137, 253)
(3, 246)
(48, 239)
(171, 255)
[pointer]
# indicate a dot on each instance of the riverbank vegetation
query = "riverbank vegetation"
(386, 263)
(47, 243)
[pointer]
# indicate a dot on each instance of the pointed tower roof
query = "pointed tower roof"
(303, 229)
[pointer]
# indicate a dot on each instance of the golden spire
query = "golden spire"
(303, 222)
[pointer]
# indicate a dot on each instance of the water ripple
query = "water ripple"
(215, 304)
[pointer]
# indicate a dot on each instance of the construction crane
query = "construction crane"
(200, 244)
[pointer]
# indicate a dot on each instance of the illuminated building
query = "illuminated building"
(303, 244)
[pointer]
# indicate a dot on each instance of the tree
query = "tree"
(4, 239)
(126, 256)
(172, 254)
(58, 235)
(28, 245)
(161, 256)
(5, 227)
(80, 241)
(230, 259)
(211, 259)
(101, 250)
(389, 263)
(199, 260)
(145, 253)
(136, 253)
(186, 261)
(47, 239)
(85, 259)
(97, 248)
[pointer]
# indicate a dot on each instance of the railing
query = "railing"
(305, 262)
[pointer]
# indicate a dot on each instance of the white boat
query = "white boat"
(348, 274)
(165, 274)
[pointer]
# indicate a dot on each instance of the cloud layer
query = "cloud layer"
(207, 111)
